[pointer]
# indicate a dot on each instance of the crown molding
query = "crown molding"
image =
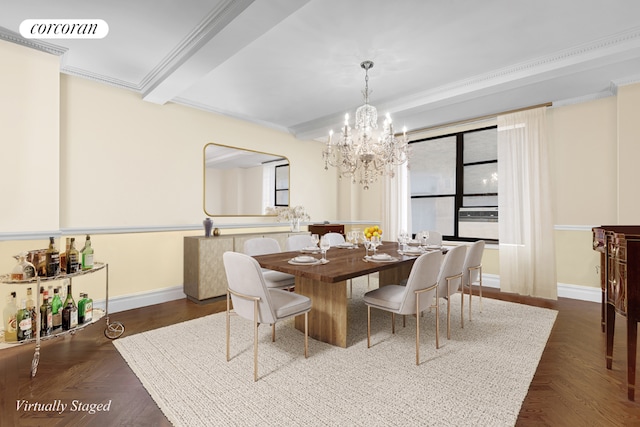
(40, 45)
(211, 25)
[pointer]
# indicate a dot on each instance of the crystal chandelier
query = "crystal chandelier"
(364, 153)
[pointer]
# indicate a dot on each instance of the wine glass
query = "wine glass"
(367, 246)
(315, 239)
(325, 244)
(375, 242)
(403, 237)
(424, 239)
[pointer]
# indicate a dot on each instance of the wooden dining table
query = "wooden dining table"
(326, 284)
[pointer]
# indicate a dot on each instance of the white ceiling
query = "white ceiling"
(294, 64)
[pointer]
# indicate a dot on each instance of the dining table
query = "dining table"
(326, 283)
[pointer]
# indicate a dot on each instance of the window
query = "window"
(282, 185)
(454, 185)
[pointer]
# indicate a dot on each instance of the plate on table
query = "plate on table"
(381, 258)
(413, 250)
(310, 250)
(345, 245)
(304, 260)
(434, 247)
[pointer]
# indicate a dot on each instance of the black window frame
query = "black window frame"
(459, 185)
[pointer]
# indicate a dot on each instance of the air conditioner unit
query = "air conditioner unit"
(478, 222)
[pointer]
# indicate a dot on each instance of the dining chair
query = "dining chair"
(419, 294)
(253, 300)
(266, 245)
(299, 241)
(450, 281)
(435, 238)
(335, 238)
(472, 270)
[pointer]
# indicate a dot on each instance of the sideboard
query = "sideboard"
(619, 246)
(322, 229)
(204, 276)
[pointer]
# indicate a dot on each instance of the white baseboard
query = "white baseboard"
(565, 290)
(142, 299)
(158, 296)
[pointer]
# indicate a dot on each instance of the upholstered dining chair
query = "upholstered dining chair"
(253, 300)
(419, 294)
(435, 238)
(296, 242)
(450, 281)
(335, 238)
(267, 245)
(472, 270)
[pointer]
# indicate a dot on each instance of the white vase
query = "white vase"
(295, 225)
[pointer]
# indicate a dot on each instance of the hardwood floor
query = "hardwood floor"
(571, 387)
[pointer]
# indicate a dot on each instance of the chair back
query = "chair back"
(244, 276)
(435, 238)
(424, 274)
(451, 266)
(299, 241)
(334, 238)
(261, 246)
(473, 259)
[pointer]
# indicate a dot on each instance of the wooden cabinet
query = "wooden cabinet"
(322, 229)
(203, 275)
(620, 281)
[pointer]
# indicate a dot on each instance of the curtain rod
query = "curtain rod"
(476, 119)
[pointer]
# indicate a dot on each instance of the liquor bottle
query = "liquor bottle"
(88, 309)
(81, 303)
(46, 317)
(87, 255)
(31, 307)
(72, 257)
(52, 259)
(9, 319)
(23, 320)
(23, 270)
(69, 312)
(56, 312)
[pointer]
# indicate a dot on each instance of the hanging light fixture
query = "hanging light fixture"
(365, 153)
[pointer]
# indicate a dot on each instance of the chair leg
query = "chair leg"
(273, 332)
(306, 334)
(393, 323)
(461, 304)
(255, 341)
(480, 284)
(404, 321)
(437, 325)
(228, 329)
(417, 331)
(368, 326)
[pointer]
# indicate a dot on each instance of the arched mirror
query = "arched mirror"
(239, 182)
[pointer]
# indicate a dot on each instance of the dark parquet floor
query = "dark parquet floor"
(571, 386)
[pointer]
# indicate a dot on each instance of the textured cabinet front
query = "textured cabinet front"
(204, 275)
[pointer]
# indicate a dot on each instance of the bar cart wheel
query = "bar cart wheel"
(114, 330)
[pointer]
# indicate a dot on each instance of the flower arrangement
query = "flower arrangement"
(372, 231)
(288, 213)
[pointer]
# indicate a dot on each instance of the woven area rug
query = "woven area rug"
(479, 377)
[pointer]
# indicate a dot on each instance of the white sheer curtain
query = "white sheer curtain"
(396, 206)
(527, 250)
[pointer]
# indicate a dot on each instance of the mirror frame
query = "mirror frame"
(204, 179)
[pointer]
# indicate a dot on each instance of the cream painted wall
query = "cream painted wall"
(629, 153)
(148, 156)
(29, 139)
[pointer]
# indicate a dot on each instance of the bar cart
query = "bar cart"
(112, 330)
